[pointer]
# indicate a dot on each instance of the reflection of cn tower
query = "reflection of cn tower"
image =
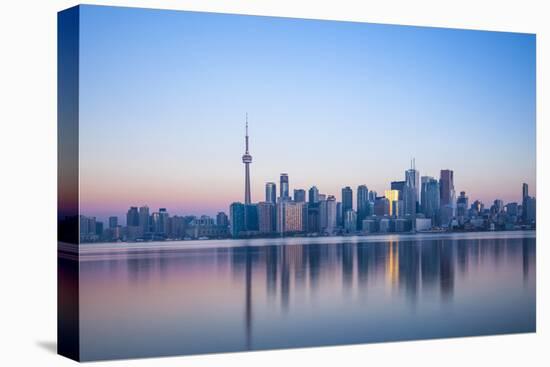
(248, 297)
(247, 159)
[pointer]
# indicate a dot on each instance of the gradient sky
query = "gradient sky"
(163, 97)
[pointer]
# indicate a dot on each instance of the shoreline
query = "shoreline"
(123, 247)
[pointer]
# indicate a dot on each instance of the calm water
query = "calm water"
(216, 296)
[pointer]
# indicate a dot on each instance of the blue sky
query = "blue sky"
(164, 95)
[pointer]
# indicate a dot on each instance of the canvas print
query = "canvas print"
(235, 183)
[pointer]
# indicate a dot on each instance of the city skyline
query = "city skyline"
(268, 196)
(401, 200)
(328, 113)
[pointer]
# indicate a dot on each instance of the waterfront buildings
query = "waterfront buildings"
(406, 207)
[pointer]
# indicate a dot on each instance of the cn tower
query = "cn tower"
(247, 159)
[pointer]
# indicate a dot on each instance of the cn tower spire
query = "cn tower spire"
(246, 136)
(247, 159)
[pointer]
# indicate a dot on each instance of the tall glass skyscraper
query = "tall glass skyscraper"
(347, 199)
(447, 187)
(299, 195)
(411, 190)
(447, 196)
(271, 192)
(283, 187)
(430, 198)
(132, 217)
(363, 205)
(313, 195)
(237, 212)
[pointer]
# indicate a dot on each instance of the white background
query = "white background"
(28, 156)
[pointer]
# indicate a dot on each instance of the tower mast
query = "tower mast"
(247, 159)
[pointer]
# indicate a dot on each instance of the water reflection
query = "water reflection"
(191, 301)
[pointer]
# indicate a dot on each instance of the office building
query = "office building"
(222, 220)
(290, 217)
(271, 193)
(267, 219)
(284, 187)
(462, 206)
(299, 195)
(363, 205)
(132, 217)
(113, 222)
(251, 217)
(347, 199)
(393, 198)
(237, 222)
(144, 220)
(381, 206)
(313, 194)
(430, 199)
(350, 221)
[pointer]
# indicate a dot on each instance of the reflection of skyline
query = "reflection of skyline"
(233, 298)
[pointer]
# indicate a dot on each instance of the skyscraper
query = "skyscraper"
(446, 187)
(247, 159)
(381, 206)
(313, 217)
(350, 221)
(163, 221)
(266, 217)
(529, 206)
(339, 215)
(399, 186)
(393, 198)
(291, 217)
(372, 196)
(363, 205)
(411, 190)
(155, 222)
(347, 199)
(251, 217)
(497, 207)
(283, 187)
(430, 198)
(447, 196)
(236, 213)
(477, 207)
(222, 220)
(331, 214)
(323, 214)
(299, 195)
(313, 195)
(132, 217)
(271, 192)
(113, 222)
(462, 207)
(144, 220)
